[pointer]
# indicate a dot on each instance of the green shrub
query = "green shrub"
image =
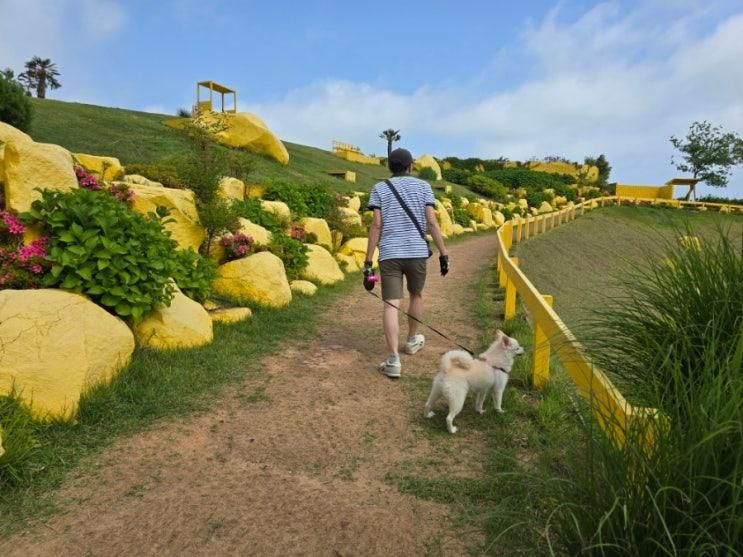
(15, 107)
(218, 218)
(166, 174)
(319, 200)
(455, 175)
(456, 200)
(99, 247)
(19, 441)
(487, 187)
(535, 198)
(251, 209)
(427, 173)
(673, 342)
(530, 179)
(291, 194)
(461, 216)
(292, 252)
(590, 194)
(507, 213)
(194, 274)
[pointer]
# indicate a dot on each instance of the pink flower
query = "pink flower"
(12, 222)
(36, 268)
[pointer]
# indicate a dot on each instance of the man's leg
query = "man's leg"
(392, 326)
(415, 309)
(415, 273)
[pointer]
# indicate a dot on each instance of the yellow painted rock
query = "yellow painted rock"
(457, 229)
(141, 181)
(347, 263)
(29, 165)
(354, 203)
(230, 315)
(56, 345)
(9, 133)
(321, 266)
(560, 201)
(473, 225)
(320, 228)
(469, 229)
(278, 208)
(260, 235)
(482, 214)
(523, 203)
(231, 189)
(356, 248)
(259, 278)
(254, 191)
(349, 216)
(545, 207)
(498, 218)
(303, 287)
(210, 305)
(429, 161)
(464, 202)
(248, 131)
(185, 228)
(106, 168)
(550, 192)
(442, 216)
(183, 324)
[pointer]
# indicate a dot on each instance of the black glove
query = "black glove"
(368, 273)
(444, 264)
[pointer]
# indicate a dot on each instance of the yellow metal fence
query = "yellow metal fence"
(615, 414)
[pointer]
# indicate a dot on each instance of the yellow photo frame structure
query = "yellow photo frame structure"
(208, 105)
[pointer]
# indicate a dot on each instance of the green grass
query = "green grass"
(140, 137)
(157, 385)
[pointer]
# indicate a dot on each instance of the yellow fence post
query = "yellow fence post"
(509, 311)
(501, 272)
(540, 370)
(519, 228)
(526, 229)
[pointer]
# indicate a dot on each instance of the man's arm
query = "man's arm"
(374, 231)
(433, 228)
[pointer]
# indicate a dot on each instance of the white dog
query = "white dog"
(460, 372)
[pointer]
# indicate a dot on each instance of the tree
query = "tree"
(15, 108)
(708, 154)
(604, 167)
(40, 74)
(391, 136)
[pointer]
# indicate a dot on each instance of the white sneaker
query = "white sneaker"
(415, 345)
(390, 369)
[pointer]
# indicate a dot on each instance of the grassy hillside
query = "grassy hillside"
(140, 137)
(582, 263)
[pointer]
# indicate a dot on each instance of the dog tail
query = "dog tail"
(459, 357)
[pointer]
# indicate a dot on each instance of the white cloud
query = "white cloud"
(615, 82)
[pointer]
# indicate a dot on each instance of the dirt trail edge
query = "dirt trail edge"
(297, 467)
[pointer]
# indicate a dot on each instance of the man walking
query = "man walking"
(403, 208)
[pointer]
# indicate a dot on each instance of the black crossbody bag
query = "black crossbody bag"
(410, 214)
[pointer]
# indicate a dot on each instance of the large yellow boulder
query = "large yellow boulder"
(356, 248)
(320, 228)
(354, 203)
(183, 324)
(106, 168)
(347, 263)
(349, 216)
(185, 227)
(259, 278)
(457, 229)
(303, 287)
(29, 165)
(231, 189)
(278, 208)
(8, 133)
(248, 131)
(560, 201)
(498, 218)
(55, 346)
(429, 161)
(442, 216)
(261, 236)
(321, 266)
(482, 214)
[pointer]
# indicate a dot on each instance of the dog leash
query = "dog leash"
(470, 352)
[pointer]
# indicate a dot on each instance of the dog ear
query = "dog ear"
(506, 341)
(498, 333)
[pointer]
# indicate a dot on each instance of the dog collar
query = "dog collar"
(494, 367)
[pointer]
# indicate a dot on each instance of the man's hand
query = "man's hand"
(368, 273)
(444, 264)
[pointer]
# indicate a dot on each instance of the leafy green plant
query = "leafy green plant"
(536, 198)
(427, 173)
(15, 108)
(218, 218)
(455, 175)
(524, 178)
(487, 187)
(99, 247)
(194, 274)
(291, 194)
(251, 209)
(462, 216)
(292, 252)
(17, 428)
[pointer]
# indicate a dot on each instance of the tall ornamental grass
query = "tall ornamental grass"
(675, 343)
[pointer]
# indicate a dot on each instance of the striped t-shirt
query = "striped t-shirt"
(400, 238)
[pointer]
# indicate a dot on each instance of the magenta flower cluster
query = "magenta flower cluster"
(237, 245)
(86, 180)
(20, 266)
(122, 193)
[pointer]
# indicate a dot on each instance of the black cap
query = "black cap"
(400, 158)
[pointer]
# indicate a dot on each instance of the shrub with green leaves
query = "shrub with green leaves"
(194, 274)
(291, 194)
(530, 179)
(487, 187)
(15, 108)
(252, 210)
(292, 252)
(462, 216)
(99, 247)
(427, 173)
(456, 175)
(536, 198)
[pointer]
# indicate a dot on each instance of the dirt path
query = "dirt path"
(293, 464)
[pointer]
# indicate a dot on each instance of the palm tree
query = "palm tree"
(391, 136)
(40, 74)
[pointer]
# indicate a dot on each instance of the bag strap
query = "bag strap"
(406, 209)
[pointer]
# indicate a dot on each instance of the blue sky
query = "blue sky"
(468, 78)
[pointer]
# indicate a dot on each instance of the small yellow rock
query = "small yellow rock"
(259, 278)
(349, 216)
(354, 203)
(106, 168)
(141, 181)
(230, 315)
(231, 189)
(260, 235)
(321, 267)
(303, 287)
(320, 228)
(210, 305)
(278, 208)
